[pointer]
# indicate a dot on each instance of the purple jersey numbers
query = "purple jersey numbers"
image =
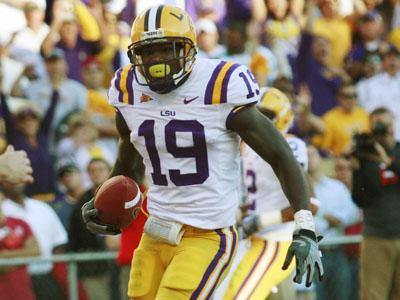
(146, 129)
(198, 151)
(248, 84)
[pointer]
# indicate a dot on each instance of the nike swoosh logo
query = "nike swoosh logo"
(186, 101)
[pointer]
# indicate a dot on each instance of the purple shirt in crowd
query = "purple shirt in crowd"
(308, 71)
(40, 157)
(75, 56)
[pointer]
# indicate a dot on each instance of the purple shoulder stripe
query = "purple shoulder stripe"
(210, 85)
(117, 85)
(129, 86)
(225, 82)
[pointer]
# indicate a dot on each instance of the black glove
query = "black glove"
(89, 216)
(249, 225)
(304, 248)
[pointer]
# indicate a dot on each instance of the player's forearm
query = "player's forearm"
(129, 163)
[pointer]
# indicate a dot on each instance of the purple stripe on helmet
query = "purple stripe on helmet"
(211, 267)
(117, 85)
(129, 85)
(234, 236)
(252, 269)
(224, 92)
(210, 85)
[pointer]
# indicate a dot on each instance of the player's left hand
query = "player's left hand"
(304, 248)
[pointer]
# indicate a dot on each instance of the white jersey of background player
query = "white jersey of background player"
(257, 266)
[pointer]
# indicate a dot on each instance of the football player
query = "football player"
(180, 119)
(257, 266)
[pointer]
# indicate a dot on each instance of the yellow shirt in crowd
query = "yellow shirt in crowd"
(340, 128)
(337, 32)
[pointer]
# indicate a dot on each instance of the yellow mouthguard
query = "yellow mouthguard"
(159, 70)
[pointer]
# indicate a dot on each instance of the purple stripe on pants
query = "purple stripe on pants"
(213, 264)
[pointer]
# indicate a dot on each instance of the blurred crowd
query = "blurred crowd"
(337, 60)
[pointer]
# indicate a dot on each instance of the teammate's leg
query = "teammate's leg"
(259, 270)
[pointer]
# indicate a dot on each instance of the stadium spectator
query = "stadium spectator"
(337, 126)
(26, 43)
(383, 89)
(82, 144)
(259, 59)
(336, 211)
(376, 189)
(92, 274)
(10, 69)
(27, 130)
(364, 59)
(312, 68)
(16, 240)
(344, 173)
(71, 185)
(207, 39)
(99, 111)
(76, 32)
(334, 29)
(48, 231)
(282, 31)
(73, 95)
(15, 167)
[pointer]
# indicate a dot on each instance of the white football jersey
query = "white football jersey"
(264, 189)
(191, 158)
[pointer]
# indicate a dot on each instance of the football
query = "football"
(118, 201)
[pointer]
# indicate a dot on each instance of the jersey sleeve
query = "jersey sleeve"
(121, 89)
(299, 150)
(241, 90)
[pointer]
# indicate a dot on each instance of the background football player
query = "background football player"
(180, 119)
(257, 267)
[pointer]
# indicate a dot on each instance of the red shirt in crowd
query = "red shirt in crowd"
(15, 283)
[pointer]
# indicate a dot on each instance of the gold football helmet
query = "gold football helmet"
(170, 30)
(276, 106)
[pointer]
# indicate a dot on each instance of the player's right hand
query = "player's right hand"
(89, 216)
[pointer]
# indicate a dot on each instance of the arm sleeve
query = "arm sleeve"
(89, 25)
(303, 57)
(48, 118)
(366, 184)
